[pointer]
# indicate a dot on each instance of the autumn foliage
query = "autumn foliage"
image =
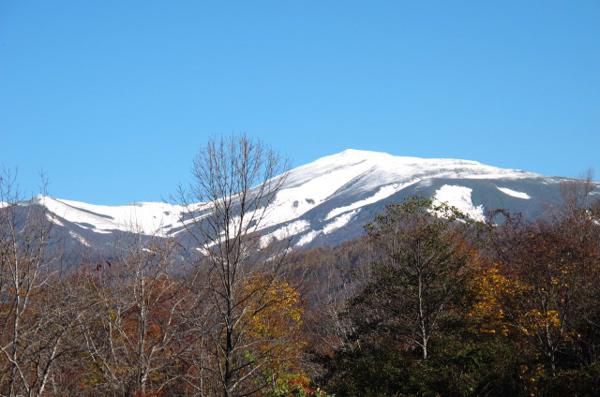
(428, 303)
(523, 320)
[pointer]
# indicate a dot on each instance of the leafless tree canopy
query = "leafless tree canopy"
(34, 319)
(236, 180)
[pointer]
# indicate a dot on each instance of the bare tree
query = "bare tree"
(236, 180)
(35, 314)
(133, 338)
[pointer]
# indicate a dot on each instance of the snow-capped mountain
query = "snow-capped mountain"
(329, 200)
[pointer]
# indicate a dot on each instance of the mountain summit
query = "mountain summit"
(329, 200)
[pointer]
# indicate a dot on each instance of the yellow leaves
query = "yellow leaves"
(492, 288)
(275, 307)
(273, 321)
(498, 295)
(535, 319)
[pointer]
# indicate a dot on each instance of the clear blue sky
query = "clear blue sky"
(113, 98)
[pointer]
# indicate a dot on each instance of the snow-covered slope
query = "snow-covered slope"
(145, 218)
(331, 199)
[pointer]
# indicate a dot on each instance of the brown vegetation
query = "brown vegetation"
(428, 303)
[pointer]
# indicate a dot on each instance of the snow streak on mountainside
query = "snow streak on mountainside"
(331, 199)
(145, 218)
(514, 193)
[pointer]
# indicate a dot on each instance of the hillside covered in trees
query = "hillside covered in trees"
(428, 303)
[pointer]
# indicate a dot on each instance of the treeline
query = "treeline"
(455, 308)
(129, 327)
(428, 303)
(157, 319)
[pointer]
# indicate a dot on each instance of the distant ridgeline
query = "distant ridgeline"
(325, 202)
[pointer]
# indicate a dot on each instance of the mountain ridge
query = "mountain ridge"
(329, 200)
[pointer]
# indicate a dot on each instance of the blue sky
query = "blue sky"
(113, 98)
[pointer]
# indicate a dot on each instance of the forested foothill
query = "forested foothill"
(427, 303)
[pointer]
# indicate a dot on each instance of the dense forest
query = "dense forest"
(427, 303)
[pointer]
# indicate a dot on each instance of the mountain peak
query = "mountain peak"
(407, 165)
(357, 154)
(330, 199)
